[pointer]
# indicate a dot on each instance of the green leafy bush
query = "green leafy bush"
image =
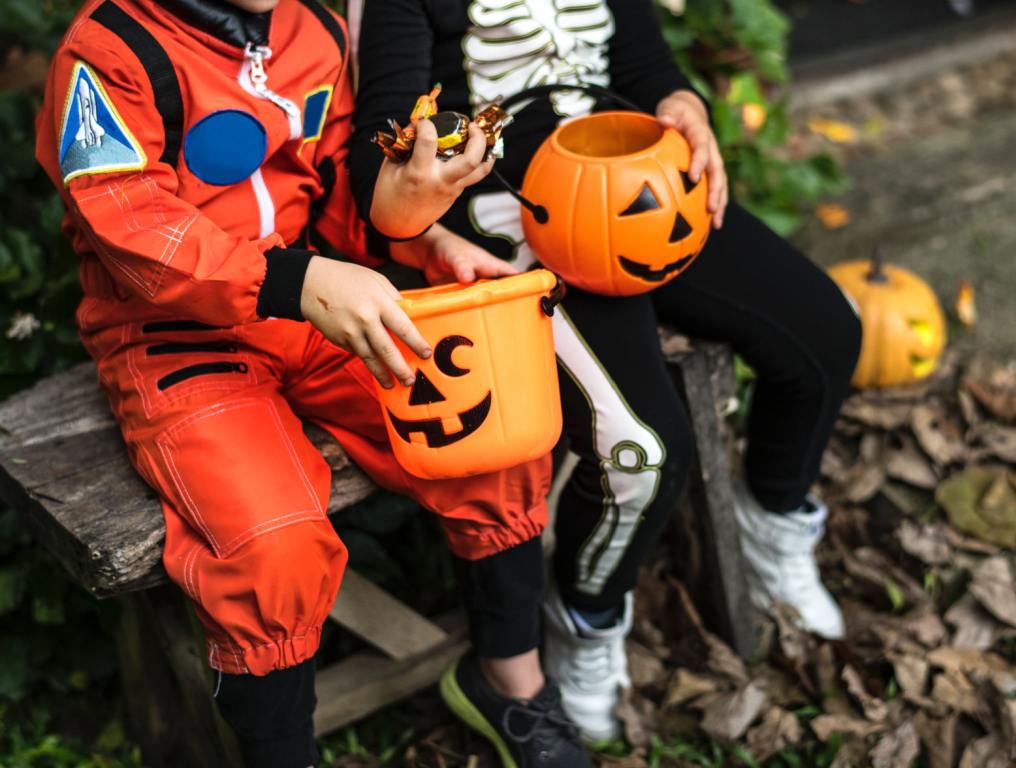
(734, 51)
(38, 272)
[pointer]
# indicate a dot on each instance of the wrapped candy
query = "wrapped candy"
(452, 129)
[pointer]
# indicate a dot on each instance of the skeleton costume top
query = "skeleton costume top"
(485, 50)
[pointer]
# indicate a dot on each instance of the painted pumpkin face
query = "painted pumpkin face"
(441, 427)
(902, 321)
(488, 398)
(623, 216)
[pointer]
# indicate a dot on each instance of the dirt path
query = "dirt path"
(934, 183)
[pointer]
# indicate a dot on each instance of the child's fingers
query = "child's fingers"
(398, 322)
(717, 179)
(476, 146)
(360, 347)
(488, 265)
(461, 167)
(479, 173)
(385, 350)
(425, 147)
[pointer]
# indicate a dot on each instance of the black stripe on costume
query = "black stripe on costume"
(159, 69)
(329, 22)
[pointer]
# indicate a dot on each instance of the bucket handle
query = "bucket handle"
(539, 91)
(555, 297)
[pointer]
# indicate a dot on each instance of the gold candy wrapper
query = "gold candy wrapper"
(452, 129)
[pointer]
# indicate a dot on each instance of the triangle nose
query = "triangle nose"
(423, 391)
(681, 229)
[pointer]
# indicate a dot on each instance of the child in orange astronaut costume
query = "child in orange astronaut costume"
(194, 143)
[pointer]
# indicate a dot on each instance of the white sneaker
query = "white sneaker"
(779, 550)
(589, 665)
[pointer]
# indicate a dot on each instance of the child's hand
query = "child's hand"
(354, 307)
(685, 112)
(411, 196)
(445, 257)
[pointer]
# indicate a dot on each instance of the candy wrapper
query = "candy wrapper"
(452, 130)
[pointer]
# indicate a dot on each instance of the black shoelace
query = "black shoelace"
(538, 720)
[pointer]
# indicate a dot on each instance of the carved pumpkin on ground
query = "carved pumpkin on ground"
(622, 214)
(487, 399)
(902, 321)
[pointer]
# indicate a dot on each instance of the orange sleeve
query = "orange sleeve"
(99, 139)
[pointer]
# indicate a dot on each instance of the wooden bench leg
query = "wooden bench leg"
(706, 378)
(168, 684)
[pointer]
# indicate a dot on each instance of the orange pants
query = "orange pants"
(212, 421)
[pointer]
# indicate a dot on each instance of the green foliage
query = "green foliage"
(734, 52)
(38, 271)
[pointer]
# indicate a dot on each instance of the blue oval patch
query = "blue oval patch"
(225, 147)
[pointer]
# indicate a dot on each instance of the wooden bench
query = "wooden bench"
(63, 464)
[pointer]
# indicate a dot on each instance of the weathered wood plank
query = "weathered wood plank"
(388, 624)
(707, 382)
(366, 682)
(63, 463)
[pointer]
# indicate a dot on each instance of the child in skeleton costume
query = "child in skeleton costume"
(622, 415)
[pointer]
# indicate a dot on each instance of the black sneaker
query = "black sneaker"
(533, 734)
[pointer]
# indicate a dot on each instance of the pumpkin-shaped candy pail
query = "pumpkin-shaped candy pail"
(487, 399)
(615, 209)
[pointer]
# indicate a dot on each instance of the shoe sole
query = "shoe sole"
(463, 708)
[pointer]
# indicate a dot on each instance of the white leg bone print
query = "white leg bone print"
(514, 44)
(630, 454)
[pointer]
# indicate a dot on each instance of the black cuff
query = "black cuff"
(280, 292)
(502, 594)
(272, 716)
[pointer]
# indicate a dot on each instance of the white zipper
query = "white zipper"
(254, 79)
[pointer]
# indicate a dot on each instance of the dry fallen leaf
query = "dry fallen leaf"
(825, 726)
(955, 691)
(994, 588)
(975, 627)
(879, 413)
(993, 440)
(836, 131)
(926, 542)
(938, 735)
(832, 215)
(729, 714)
(685, 685)
(994, 386)
(965, 304)
(937, 435)
(981, 501)
(778, 729)
(986, 752)
(644, 666)
(896, 749)
(638, 717)
(874, 708)
(908, 464)
(911, 673)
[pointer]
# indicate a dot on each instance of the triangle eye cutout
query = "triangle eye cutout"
(689, 185)
(681, 229)
(646, 201)
(423, 391)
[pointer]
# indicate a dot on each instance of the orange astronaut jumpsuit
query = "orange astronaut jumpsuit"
(181, 200)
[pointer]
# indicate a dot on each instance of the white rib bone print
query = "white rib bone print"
(516, 44)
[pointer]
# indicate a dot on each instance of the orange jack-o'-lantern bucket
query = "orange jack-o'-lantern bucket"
(608, 203)
(487, 399)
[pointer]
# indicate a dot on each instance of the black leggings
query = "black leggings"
(624, 418)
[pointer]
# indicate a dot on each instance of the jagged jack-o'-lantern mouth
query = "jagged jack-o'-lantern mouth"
(433, 430)
(644, 272)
